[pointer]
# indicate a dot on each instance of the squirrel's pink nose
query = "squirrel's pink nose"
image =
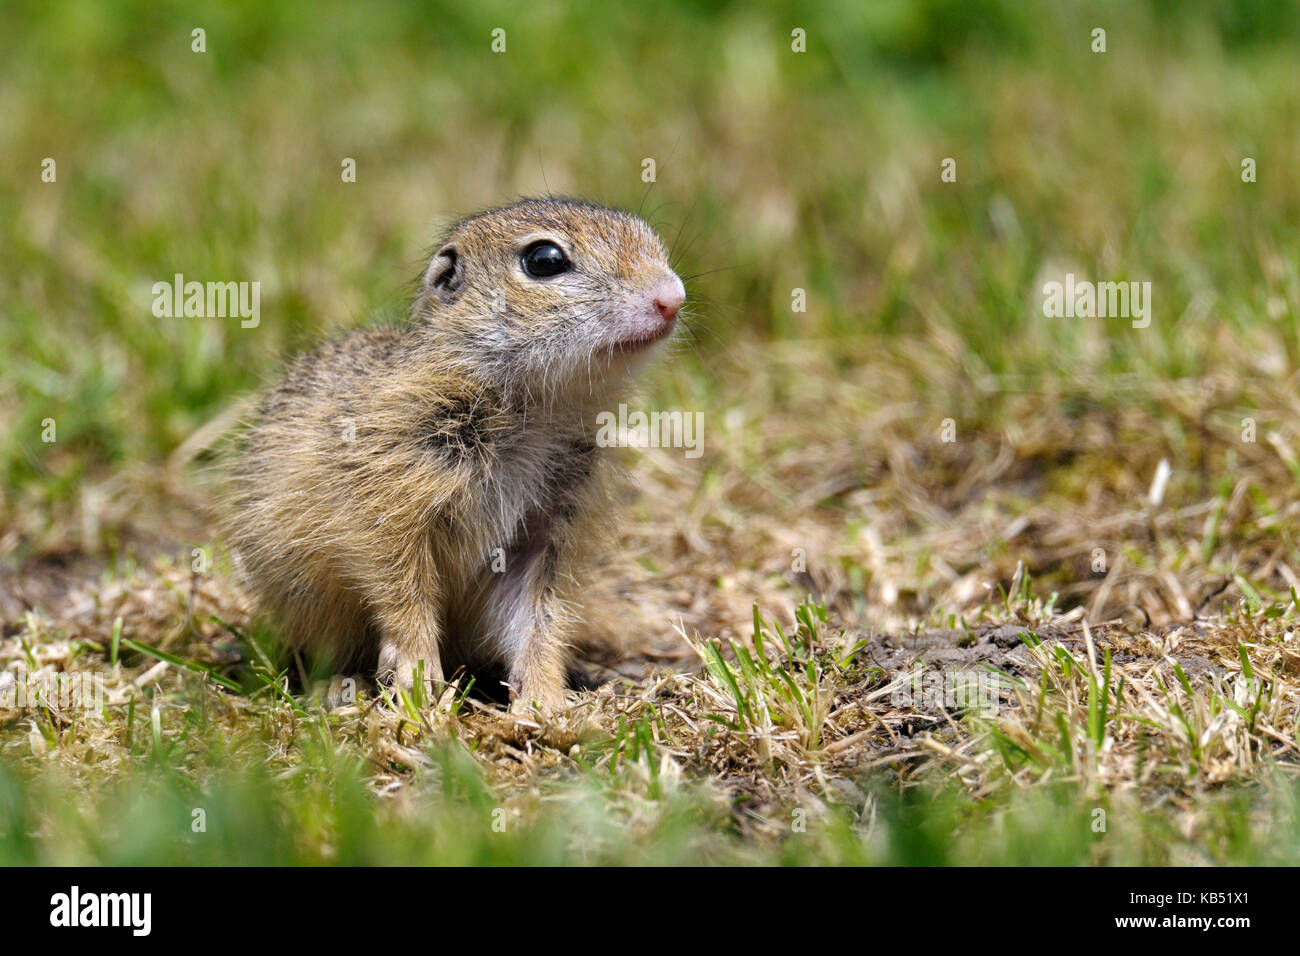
(668, 298)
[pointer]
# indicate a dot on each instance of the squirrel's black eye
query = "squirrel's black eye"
(543, 259)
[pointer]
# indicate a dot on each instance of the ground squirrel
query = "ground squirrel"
(416, 496)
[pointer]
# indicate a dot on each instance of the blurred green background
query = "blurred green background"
(777, 170)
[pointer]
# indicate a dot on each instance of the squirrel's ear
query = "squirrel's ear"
(445, 275)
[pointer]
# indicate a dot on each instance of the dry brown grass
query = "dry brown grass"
(921, 550)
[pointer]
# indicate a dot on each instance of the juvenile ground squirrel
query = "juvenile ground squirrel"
(419, 494)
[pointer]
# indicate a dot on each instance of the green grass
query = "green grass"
(776, 171)
(186, 806)
(226, 164)
(203, 768)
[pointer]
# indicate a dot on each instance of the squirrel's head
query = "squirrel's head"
(550, 293)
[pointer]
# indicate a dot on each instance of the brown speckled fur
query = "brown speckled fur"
(368, 498)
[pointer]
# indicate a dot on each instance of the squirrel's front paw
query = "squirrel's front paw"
(546, 701)
(398, 668)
